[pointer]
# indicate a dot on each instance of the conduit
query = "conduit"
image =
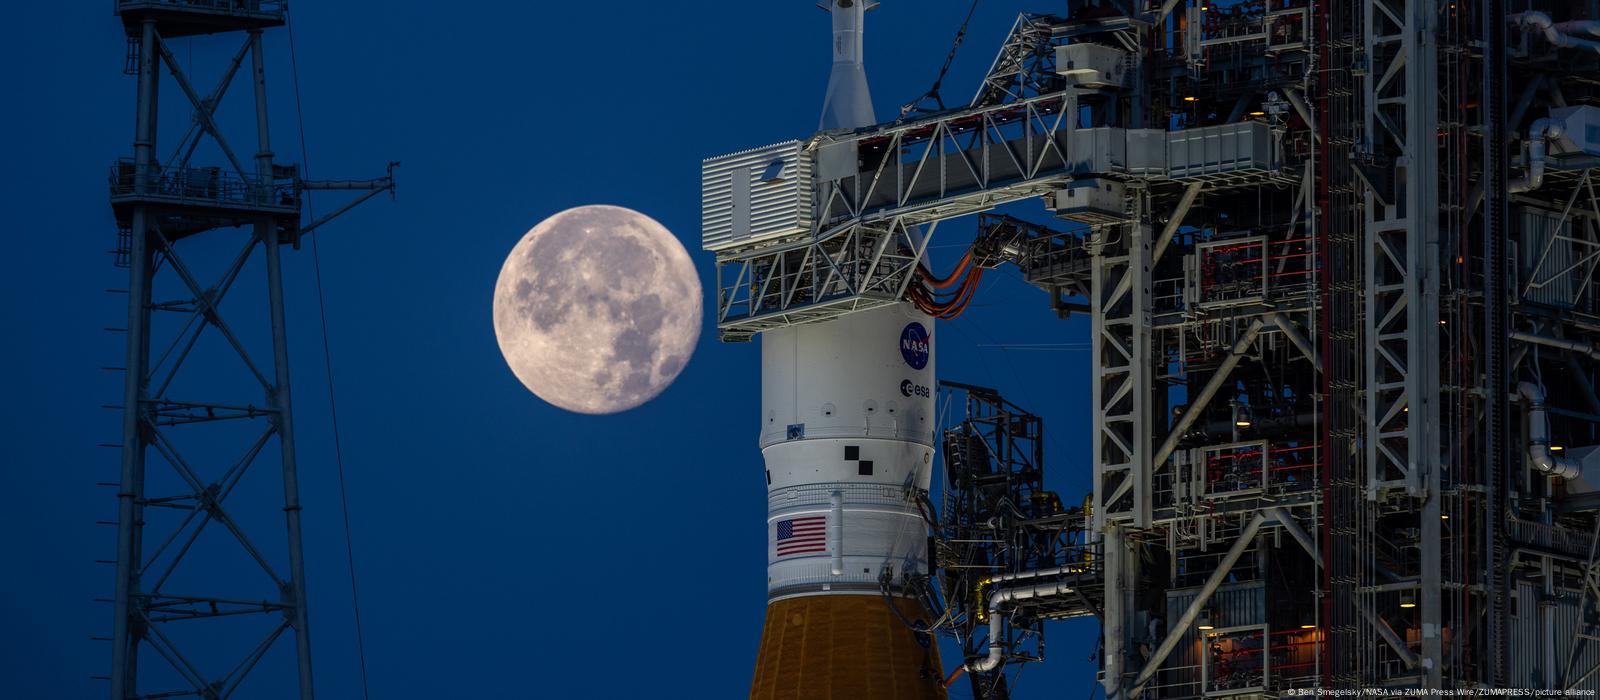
(1538, 134)
(997, 645)
(1539, 454)
(1554, 33)
(1586, 349)
(1585, 26)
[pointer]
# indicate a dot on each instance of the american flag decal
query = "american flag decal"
(803, 535)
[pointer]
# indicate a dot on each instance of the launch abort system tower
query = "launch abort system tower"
(1338, 257)
(174, 488)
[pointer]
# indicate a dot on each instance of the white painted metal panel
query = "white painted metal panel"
(755, 196)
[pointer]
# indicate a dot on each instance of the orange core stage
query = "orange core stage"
(845, 647)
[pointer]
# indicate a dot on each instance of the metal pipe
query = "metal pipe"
(125, 639)
(1584, 26)
(1541, 130)
(1560, 343)
(1053, 571)
(1236, 353)
(1539, 454)
(1001, 597)
(1178, 629)
(1262, 426)
(1552, 31)
(267, 232)
(279, 397)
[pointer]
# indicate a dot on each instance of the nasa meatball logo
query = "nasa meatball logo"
(914, 345)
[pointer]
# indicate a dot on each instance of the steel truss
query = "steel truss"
(1402, 282)
(158, 205)
(876, 187)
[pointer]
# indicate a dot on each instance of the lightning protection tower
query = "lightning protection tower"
(188, 446)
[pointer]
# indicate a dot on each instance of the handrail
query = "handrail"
(210, 184)
(241, 7)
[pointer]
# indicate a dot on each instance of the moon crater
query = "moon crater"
(597, 309)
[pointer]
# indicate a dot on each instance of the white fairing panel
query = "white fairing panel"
(854, 376)
(848, 104)
(847, 437)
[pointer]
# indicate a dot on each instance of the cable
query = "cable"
(327, 366)
(933, 92)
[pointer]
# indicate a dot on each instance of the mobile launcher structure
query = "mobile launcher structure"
(1338, 257)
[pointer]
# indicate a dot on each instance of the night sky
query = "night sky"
(503, 547)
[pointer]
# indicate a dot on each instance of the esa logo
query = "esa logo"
(910, 388)
(914, 345)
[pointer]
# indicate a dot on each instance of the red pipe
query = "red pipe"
(953, 676)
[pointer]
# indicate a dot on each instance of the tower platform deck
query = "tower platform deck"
(190, 17)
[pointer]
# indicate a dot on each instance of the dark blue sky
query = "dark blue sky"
(504, 548)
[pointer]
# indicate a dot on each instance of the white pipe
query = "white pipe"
(1053, 571)
(1553, 32)
(1539, 454)
(1559, 343)
(1584, 26)
(997, 645)
(1541, 131)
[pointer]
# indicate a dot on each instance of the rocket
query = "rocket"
(847, 430)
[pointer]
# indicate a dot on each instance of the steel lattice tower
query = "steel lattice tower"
(160, 205)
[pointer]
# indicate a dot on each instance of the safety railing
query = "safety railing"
(210, 185)
(240, 7)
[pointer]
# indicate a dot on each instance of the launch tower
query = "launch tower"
(1338, 257)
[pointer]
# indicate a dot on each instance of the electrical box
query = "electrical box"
(1091, 65)
(756, 196)
(1091, 201)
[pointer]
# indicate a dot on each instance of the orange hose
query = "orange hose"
(955, 275)
(953, 676)
(968, 291)
(926, 295)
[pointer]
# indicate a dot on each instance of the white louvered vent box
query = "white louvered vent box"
(755, 196)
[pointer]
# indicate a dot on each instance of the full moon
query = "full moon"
(597, 309)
